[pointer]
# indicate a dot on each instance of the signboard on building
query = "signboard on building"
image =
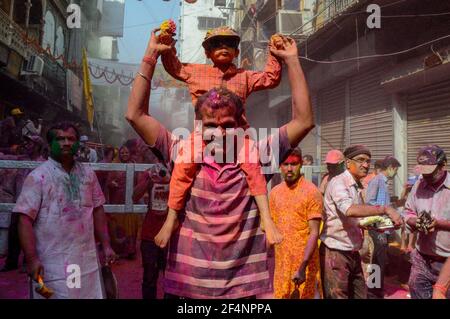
(74, 91)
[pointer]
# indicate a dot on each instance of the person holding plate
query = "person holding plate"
(342, 236)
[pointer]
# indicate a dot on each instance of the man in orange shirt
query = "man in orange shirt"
(296, 207)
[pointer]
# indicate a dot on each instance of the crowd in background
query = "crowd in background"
(22, 140)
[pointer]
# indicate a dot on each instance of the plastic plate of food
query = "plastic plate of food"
(376, 223)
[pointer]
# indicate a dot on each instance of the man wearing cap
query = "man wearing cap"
(335, 166)
(431, 194)
(378, 194)
(24, 127)
(221, 46)
(342, 238)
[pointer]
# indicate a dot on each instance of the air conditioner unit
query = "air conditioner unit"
(289, 22)
(34, 66)
(220, 3)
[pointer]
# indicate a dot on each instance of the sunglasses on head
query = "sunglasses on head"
(220, 42)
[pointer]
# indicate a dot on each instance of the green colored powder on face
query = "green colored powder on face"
(55, 149)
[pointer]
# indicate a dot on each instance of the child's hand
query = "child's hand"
(163, 237)
(288, 51)
(277, 41)
(154, 44)
(273, 235)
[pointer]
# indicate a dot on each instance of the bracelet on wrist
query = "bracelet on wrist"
(145, 77)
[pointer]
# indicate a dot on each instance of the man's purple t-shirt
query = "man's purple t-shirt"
(219, 250)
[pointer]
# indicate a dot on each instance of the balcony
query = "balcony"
(328, 10)
(297, 18)
(12, 35)
(52, 83)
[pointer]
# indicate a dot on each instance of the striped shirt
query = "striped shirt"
(219, 250)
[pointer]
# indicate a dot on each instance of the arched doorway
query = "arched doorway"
(49, 31)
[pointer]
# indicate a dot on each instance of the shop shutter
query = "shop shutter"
(371, 121)
(332, 118)
(428, 118)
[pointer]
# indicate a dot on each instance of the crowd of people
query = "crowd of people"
(210, 223)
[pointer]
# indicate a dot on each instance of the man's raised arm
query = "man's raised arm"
(302, 116)
(138, 103)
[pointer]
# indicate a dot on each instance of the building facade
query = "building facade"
(387, 87)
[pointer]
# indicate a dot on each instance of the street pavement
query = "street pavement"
(14, 284)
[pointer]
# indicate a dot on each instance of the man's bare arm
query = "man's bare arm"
(101, 226)
(368, 210)
(311, 245)
(443, 225)
(302, 116)
(138, 103)
(101, 233)
(442, 284)
(28, 243)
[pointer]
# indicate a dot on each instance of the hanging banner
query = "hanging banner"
(88, 91)
(74, 91)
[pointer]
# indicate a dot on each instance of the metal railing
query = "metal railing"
(130, 169)
(330, 10)
(11, 36)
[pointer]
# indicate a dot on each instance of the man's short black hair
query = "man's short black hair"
(297, 151)
(389, 161)
(63, 126)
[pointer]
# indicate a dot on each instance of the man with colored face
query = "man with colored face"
(378, 194)
(342, 238)
(296, 207)
(219, 249)
(61, 209)
(430, 196)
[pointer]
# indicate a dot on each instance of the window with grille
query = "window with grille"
(206, 23)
